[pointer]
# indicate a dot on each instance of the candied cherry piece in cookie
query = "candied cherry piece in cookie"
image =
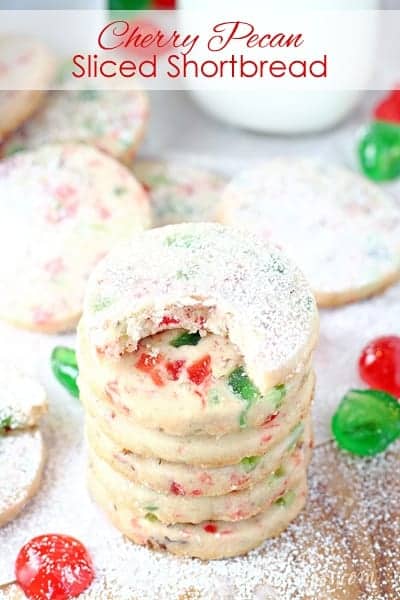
(53, 567)
(186, 339)
(65, 368)
(379, 364)
(200, 370)
(366, 422)
(147, 363)
(242, 385)
(388, 109)
(379, 151)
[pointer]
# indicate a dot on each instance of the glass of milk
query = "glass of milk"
(282, 111)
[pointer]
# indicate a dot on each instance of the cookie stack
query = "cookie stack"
(195, 352)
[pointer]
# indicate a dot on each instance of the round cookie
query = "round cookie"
(21, 461)
(22, 401)
(176, 508)
(341, 229)
(207, 540)
(206, 277)
(166, 395)
(201, 449)
(192, 480)
(63, 207)
(24, 63)
(179, 193)
(114, 121)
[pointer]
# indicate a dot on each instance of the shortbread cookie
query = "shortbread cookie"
(201, 449)
(342, 230)
(114, 121)
(22, 401)
(183, 383)
(179, 193)
(175, 508)
(207, 540)
(190, 480)
(62, 209)
(205, 276)
(21, 462)
(26, 70)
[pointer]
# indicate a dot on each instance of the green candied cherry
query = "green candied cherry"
(279, 473)
(5, 424)
(186, 339)
(287, 499)
(151, 517)
(129, 4)
(65, 368)
(241, 385)
(14, 148)
(249, 463)
(379, 151)
(366, 422)
(180, 240)
(294, 436)
(276, 395)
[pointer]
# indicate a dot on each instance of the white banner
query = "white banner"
(248, 50)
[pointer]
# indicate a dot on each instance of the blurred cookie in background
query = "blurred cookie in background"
(27, 68)
(179, 192)
(62, 209)
(112, 120)
(342, 230)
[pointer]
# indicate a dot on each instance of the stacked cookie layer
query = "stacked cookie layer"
(195, 371)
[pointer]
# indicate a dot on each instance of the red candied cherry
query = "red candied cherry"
(169, 321)
(148, 30)
(388, 109)
(53, 567)
(379, 364)
(176, 489)
(164, 4)
(270, 418)
(147, 363)
(210, 528)
(174, 368)
(200, 370)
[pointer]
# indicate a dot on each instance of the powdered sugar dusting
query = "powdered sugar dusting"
(354, 226)
(22, 399)
(179, 193)
(63, 208)
(113, 122)
(21, 458)
(234, 282)
(326, 553)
